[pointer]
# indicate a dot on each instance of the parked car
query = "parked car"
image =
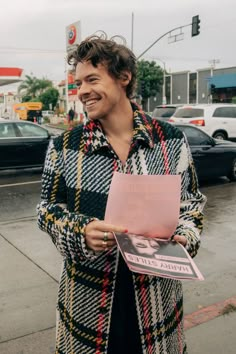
(22, 144)
(164, 112)
(212, 157)
(218, 120)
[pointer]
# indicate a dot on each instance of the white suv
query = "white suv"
(48, 114)
(218, 120)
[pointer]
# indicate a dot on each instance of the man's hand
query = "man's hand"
(180, 239)
(99, 237)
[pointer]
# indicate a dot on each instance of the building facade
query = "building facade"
(202, 86)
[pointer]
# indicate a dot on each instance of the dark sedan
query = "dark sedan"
(212, 157)
(22, 144)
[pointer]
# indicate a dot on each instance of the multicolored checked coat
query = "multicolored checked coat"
(76, 179)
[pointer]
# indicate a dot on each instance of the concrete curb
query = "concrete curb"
(207, 313)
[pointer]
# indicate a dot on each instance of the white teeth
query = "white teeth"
(89, 103)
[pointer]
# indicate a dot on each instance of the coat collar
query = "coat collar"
(95, 137)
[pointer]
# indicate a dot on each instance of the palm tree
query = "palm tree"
(29, 86)
(32, 86)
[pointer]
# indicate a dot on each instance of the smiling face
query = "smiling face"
(100, 93)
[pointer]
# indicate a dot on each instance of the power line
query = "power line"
(30, 50)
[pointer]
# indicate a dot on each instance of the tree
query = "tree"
(31, 87)
(49, 97)
(150, 80)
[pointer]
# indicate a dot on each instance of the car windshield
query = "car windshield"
(195, 136)
(189, 113)
(163, 112)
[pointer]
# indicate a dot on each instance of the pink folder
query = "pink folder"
(145, 205)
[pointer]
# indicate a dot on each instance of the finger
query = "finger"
(107, 244)
(99, 235)
(105, 235)
(180, 239)
(102, 226)
(99, 246)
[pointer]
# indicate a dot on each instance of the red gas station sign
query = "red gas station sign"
(10, 75)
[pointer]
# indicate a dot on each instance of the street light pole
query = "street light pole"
(164, 85)
(132, 32)
(158, 39)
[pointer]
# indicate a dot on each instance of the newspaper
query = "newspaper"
(157, 257)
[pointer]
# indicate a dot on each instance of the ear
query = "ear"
(125, 78)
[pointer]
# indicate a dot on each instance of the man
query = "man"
(71, 115)
(102, 306)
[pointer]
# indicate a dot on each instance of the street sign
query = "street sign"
(72, 86)
(73, 35)
(72, 92)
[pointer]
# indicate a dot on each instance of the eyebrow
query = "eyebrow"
(87, 77)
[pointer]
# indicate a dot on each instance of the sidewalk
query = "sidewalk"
(30, 266)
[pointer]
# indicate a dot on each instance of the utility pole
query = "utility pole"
(66, 86)
(132, 32)
(213, 63)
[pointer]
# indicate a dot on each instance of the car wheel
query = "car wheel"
(232, 174)
(220, 136)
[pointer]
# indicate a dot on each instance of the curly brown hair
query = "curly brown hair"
(117, 58)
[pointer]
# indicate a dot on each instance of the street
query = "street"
(28, 287)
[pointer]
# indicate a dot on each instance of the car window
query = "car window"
(31, 130)
(163, 112)
(189, 113)
(195, 136)
(7, 131)
(228, 112)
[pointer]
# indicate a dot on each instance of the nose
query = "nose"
(83, 90)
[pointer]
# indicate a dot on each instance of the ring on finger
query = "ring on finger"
(104, 244)
(105, 236)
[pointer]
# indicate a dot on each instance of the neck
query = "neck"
(119, 124)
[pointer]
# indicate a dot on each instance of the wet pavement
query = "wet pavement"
(30, 267)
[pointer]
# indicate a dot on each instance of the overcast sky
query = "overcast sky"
(31, 30)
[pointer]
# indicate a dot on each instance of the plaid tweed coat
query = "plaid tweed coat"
(75, 185)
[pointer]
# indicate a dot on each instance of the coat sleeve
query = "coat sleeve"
(65, 228)
(192, 201)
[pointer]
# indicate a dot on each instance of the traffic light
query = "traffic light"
(195, 26)
(213, 89)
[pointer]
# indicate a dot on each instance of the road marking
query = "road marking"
(18, 184)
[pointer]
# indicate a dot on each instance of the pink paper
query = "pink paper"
(145, 205)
